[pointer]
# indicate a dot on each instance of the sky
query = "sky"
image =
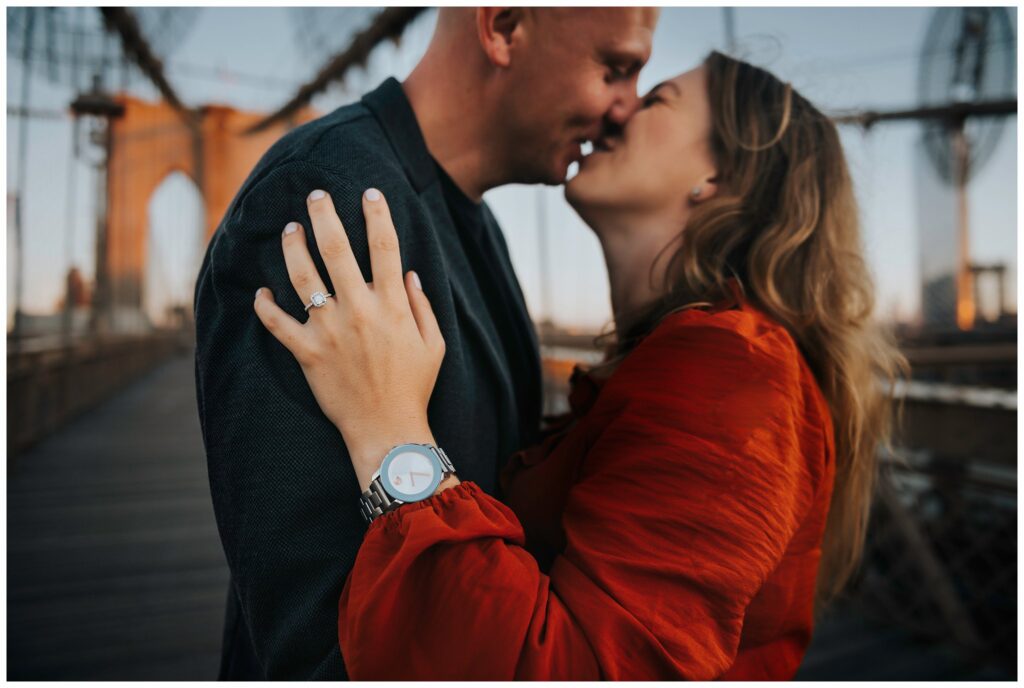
(254, 59)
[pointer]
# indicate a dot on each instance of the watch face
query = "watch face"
(410, 473)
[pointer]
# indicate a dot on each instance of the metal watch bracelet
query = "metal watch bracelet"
(377, 502)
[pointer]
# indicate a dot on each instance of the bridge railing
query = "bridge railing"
(941, 554)
(51, 381)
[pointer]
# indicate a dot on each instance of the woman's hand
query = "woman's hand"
(372, 352)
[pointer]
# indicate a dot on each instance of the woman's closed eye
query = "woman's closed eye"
(652, 99)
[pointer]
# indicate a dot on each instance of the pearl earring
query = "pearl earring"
(695, 192)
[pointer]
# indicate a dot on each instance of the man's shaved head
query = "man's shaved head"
(536, 82)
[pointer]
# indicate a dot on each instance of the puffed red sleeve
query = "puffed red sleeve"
(688, 497)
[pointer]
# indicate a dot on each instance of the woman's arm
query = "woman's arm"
(688, 498)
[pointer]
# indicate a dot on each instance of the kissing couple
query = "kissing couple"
(369, 382)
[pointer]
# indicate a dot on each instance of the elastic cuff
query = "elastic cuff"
(466, 489)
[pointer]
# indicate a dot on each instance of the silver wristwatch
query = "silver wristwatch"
(408, 473)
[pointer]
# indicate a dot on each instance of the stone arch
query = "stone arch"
(147, 144)
(174, 233)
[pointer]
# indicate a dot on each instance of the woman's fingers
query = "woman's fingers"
(334, 246)
(301, 270)
(423, 313)
(385, 259)
(284, 327)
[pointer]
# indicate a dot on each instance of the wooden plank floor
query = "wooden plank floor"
(114, 567)
(115, 570)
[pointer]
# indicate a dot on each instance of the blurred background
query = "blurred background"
(129, 130)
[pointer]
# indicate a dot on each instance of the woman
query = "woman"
(710, 487)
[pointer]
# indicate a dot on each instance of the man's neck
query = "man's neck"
(451, 119)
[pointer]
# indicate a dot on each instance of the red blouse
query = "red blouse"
(671, 530)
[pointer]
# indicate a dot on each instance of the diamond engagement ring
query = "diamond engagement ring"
(317, 300)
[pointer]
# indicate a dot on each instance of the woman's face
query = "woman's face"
(663, 153)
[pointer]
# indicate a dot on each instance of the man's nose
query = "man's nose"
(624, 106)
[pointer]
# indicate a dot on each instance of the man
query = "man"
(502, 95)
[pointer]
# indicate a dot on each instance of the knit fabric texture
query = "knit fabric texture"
(284, 491)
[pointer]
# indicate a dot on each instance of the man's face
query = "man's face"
(574, 76)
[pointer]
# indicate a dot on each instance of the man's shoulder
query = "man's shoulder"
(348, 142)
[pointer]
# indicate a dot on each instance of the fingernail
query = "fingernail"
(291, 227)
(317, 195)
(372, 195)
(258, 292)
(416, 281)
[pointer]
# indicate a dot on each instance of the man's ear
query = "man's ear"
(498, 28)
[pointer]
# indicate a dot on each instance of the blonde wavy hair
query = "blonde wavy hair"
(785, 224)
